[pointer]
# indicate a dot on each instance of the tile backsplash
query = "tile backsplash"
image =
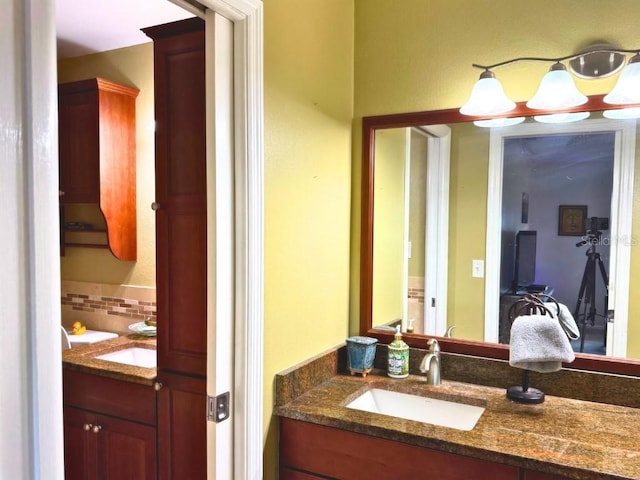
(110, 308)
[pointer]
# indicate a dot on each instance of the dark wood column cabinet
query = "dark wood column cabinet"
(181, 195)
(181, 247)
(182, 428)
(97, 162)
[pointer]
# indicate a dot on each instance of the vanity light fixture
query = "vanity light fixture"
(499, 122)
(627, 89)
(622, 113)
(561, 117)
(487, 97)
(557, 91)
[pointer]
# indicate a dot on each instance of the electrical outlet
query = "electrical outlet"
(477, 268)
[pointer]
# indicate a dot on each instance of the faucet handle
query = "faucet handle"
(434, 346)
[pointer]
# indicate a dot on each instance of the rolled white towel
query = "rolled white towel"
(539, 343)
(567, 322)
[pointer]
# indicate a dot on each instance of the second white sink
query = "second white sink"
(139, 357)
(422, 409)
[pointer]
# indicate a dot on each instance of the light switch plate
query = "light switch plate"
(477, 268)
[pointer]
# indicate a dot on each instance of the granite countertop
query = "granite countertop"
(562, 436)
(83, 359)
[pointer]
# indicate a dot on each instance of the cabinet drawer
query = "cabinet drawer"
(335, 453)
(127, 400)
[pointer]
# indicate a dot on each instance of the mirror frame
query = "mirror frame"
(370, 124)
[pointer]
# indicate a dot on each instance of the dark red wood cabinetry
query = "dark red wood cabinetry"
(97, 161)
(181, 196)
(529, 475)
(310, 449)
(109, 429)
(182, 429)
(181, 247)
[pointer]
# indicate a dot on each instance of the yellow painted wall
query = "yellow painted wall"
(388, 249)
(131, 66)
(308, 76)
(467, 228)
(419, 57)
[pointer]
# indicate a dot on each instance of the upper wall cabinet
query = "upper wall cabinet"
(98, 163)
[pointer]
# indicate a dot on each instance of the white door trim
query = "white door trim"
(247, 393)
(436, 239)
(620, 224)
(437, 229)
(31, 442)
(220, 235)
(406, 253)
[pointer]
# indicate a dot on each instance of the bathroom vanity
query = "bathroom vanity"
(562, 438)
(109, 413)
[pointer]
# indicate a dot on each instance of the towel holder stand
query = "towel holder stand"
(530, 304)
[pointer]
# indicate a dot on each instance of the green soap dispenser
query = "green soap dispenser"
(398, 357)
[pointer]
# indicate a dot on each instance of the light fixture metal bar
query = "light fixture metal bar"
(553, 59)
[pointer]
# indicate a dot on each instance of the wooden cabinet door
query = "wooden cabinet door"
(125, 450)
(79, 147)
(181, 219)
(79, 445)
(99, 447)
(182, 428)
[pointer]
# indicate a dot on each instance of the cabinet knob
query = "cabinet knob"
(96, 428)
(157, 386)
(60, 193)
(87, 427)
(155, 206)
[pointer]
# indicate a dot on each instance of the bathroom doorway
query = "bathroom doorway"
(499, 270)
(556, 207)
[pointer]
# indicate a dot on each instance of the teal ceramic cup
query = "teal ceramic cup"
(361, 351)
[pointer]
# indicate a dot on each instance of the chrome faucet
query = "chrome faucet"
(431, 363)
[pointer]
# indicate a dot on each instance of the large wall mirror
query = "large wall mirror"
(461, 219)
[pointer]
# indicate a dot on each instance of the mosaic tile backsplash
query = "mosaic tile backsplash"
(111, 308)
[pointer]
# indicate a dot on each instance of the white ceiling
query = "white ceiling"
(90, 26)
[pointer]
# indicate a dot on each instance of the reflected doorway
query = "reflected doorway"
(556, 207)
(618, 233)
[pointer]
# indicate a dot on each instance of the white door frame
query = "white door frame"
(437, 229)
(620, 224)
(31, 443)
(436, 239)
(31, 277)
(241, 205)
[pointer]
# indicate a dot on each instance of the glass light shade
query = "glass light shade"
(622, 113)
(557, 91)
(561, 117)
(627, 89)
(487, 98)
(499, 122)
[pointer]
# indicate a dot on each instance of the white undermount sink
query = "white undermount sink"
(139, 357)
(422, 409)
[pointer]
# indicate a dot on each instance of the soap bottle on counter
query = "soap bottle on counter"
(398, 357)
